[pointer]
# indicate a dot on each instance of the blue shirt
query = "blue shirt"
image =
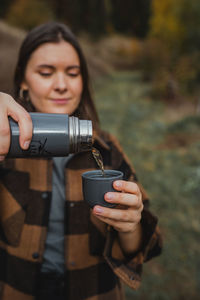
(53, 258)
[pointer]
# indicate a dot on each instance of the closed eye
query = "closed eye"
(73, 74)
(73, 71)
(44, 74)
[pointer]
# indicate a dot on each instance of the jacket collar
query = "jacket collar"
(99, 139)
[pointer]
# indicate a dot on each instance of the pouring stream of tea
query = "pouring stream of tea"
(99, 160)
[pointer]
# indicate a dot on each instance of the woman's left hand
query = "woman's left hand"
(126, 216)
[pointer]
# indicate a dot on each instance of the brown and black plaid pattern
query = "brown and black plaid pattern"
(95, 264)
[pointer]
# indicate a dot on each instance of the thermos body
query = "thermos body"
(53, 135)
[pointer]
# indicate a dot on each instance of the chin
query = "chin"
(54, 110)
(60, 111)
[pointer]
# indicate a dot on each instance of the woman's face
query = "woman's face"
(53, 78)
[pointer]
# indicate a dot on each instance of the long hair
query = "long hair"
(54, 32)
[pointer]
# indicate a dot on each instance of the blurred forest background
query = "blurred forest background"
(144, 59)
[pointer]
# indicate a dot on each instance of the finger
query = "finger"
(4, 134)
(124, 199)
(9, 107)
(26, 130)
(126, 186)
(20, 115)
(119, 226)
(123, 215)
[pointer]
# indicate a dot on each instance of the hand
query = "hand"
(9, 107)
(127, 215)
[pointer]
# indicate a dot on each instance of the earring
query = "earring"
(23, 95)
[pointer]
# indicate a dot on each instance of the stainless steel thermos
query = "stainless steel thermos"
(53, 135)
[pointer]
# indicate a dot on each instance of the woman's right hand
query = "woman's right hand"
(9, 107)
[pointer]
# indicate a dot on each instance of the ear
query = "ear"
(24, 86)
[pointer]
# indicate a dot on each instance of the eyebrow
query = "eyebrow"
(52, 67)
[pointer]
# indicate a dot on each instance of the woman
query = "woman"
(52, 246)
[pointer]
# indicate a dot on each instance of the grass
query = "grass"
(166, 157)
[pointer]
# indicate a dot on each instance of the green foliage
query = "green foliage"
(169, 170)
(170, 56)
(27, 14)
(190, 18)
(177, 24)
(187, 72)
(165, 23)
(173, 76)
(189, 124)
(153, 58)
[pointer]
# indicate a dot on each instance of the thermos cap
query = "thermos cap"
(80, 134)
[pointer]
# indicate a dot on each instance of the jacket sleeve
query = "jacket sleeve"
(129, 268)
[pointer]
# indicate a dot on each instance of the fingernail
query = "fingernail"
(118, 184)
(98, 210)
(109, 196)
(26, 144)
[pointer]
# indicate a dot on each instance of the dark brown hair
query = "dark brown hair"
(54, 32)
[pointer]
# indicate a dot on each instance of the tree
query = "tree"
(27, 14)
(87, 15)
(131, 16)
(4, 6)
(176, 23)
(100, 16)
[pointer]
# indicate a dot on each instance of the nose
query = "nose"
(60, 83)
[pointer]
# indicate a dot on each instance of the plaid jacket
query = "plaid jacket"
(95, 265)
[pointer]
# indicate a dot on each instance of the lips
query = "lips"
(61, 101)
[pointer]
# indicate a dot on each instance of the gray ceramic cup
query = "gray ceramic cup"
(95, 186)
